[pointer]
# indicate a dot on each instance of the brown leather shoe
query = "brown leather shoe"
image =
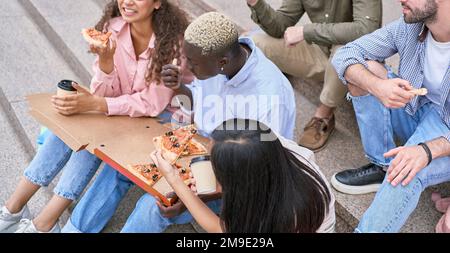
(316, 133)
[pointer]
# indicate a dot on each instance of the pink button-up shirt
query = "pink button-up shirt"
(125, 89)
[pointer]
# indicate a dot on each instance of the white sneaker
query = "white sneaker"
(27, 226)
(9, 221)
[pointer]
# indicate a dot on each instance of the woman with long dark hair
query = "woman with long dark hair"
(268, 184)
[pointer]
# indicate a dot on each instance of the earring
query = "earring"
(221, 69)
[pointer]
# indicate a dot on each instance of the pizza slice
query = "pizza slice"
(195, 148)
(419, 92)
(150, 174)
(173, 143)
(184, 174)
(95, 37)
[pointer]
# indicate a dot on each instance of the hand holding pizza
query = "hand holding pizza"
(169, 171)
(106, 55)
(107, 52)
(101, 44)
(171, 75)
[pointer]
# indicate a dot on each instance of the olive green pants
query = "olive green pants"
(307, 62)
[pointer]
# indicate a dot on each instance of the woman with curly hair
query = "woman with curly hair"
(146, 34)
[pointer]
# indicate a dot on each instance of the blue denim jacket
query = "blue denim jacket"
(408, 40)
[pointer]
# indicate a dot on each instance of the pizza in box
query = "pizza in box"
(176, 143)
(150, 175)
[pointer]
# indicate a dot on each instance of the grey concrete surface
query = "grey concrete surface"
(30, 64)
(11, 9)
(67, 18)
(30, 125)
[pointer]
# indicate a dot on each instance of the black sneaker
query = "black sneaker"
(363, 180)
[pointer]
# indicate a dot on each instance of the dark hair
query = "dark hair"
(266, 189)
(169, 24)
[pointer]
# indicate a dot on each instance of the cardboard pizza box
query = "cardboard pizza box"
(119, 141)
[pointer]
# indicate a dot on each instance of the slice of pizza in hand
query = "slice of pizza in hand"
(195, 148)
(95, 37)
(419, 92)
(148, 173)
(184, 174)
(173, 143)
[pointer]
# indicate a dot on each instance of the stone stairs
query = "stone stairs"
(46, 47)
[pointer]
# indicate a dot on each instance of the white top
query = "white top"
(307, 157)
(259, 91)
(437, 60)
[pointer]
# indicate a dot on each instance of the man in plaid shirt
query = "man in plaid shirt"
(387, 110)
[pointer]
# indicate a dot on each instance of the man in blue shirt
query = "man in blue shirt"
(387, 107)
(236, 81)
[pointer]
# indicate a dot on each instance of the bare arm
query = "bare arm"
(171, 76)
(393, 93)
(410, 160)
(106, 56)
(439, 147)
(359, 76)
(183, 90)
(205, 217)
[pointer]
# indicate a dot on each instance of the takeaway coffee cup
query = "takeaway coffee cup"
(202, 171)
(65, 88)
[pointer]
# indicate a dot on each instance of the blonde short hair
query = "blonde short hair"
(212, 32)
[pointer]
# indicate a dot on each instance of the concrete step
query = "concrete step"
(344, 149)
(29, 64)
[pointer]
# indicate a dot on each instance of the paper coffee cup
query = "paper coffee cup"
(203, 173)
(65, 88)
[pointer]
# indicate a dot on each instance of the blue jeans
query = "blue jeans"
(52, 157)
(379, 126)
(101, 200)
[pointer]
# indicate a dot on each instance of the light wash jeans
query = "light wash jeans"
(101, 200)
(52, 157)
(379, 126)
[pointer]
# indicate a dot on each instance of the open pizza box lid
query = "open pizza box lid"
(119, 141)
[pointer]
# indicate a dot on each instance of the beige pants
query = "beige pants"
(305, 61)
